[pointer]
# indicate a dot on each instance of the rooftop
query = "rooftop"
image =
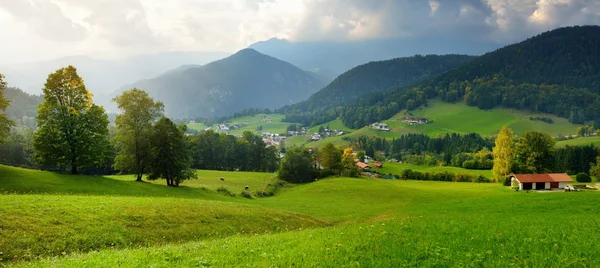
(553, 177)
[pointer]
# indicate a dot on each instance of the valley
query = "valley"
(307, 153)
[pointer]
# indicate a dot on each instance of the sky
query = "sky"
(36, 30)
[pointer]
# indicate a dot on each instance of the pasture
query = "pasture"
(333, 222)
(593, 140)
(397, 168)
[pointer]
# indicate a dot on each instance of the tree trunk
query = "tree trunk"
(74, 168)
(139, 177)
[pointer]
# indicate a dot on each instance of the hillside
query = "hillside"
(379, 76)
(23, 106)
(330, 58)
(553, 72)
(333, 222)
(247, 79)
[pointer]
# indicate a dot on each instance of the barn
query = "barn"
(541, 181)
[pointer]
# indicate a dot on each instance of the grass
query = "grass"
(396, 168)
(334, 222)
(593, 140)
(275, 126)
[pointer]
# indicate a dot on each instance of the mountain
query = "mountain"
(555, 72)
(247, 79)
(377, 76)
(331, 58)
(23, 107)
(103, 76)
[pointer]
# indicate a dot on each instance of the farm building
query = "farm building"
(378, 165)
(363, 166)
(541, 181)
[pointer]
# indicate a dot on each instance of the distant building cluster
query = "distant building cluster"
(272, 139)
(415, 120)
(380, 126)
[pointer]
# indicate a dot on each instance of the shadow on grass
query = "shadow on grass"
(27, 181)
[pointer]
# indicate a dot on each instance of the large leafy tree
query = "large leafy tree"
(350, 168)
(503, 154)
(134, 130)
(534, 152)
(297, 166)
(72, 132)
(5, 124)
(331, 158)
(171, 153)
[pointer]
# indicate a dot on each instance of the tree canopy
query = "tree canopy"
(171, 153)
(5, 123)
(134, 130)
(72, 131)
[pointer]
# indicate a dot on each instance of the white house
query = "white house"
(541, 181)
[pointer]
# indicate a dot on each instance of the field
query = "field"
(396, 168)
(86, 221)
(595, 140)
(274, 126)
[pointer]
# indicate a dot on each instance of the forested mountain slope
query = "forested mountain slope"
(23, 107)
(377, 76)
(247, 79)
(555, 72)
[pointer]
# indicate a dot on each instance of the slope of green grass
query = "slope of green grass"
(197, 126)
(333, 125)
(394, 224)
(461, 118)
(593, 140)
(396, 168)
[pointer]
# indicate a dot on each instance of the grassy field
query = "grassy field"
(335, 222)
(396, 168)
(594, 140)
(275, 126)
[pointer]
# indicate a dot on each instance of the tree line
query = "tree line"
(73, 134)
(535, 152)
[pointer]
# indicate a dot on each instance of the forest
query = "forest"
(550, 73)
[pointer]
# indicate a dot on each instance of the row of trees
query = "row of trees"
(305, 165)
(73, 134)
(535, 152)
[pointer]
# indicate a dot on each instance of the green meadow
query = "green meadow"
(593, 140)
(57, 220)
(397, 168)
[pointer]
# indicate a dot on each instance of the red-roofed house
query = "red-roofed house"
(362, 165)
(378, 165)
(541, 181)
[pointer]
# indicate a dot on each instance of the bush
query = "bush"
(225, 191)
(583, 177)
(408, 174)
(507, 181)
(246, 194)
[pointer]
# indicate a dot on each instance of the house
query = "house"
(380, 126)
(363, 166)
(378, 165)
(540, 181)
(415, 120)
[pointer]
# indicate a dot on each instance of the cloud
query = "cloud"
(46, 19)
(120, 28)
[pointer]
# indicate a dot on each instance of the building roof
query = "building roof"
(377, 164)
(362, 165)
(555, 177)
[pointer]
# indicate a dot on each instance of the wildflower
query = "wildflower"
(327, 249)
(372, 226)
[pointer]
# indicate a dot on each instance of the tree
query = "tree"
(171, 153)
(5, 123)
(72, 131)
(350, 168)
(134, 130)
(331, 158)
(583, 177)
(595, 168)
(297, 166)
(503, 154)
(321, 129)
(534, 152)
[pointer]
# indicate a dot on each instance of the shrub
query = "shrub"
(246, 194)
(507, 181)
(583, 177)
(225, 191)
